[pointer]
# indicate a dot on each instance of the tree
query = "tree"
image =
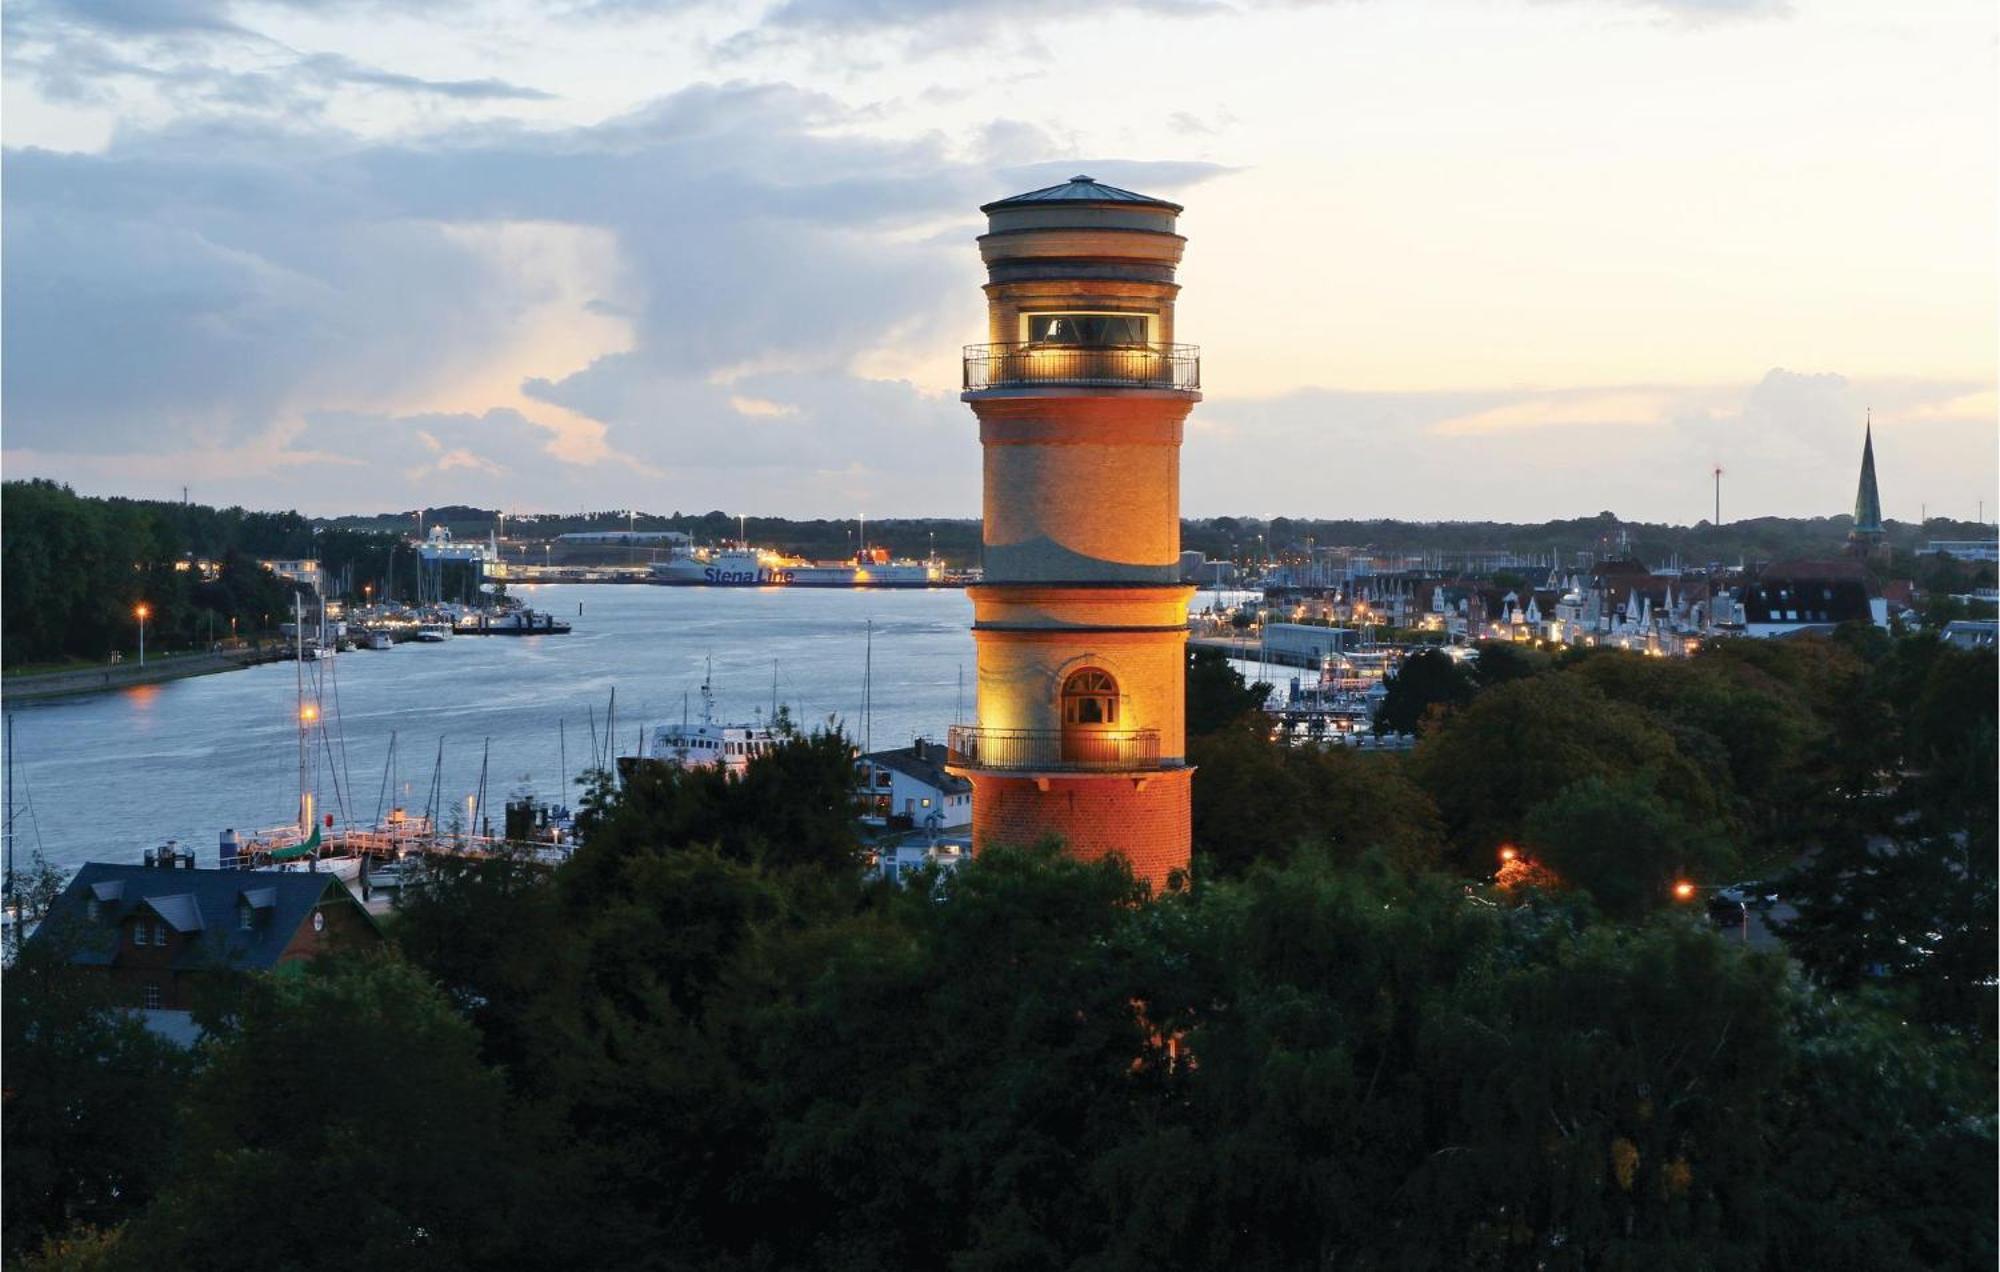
(1622, 844)
(1217, 694)
(1499, 661)
(1426, 679)
(353, 1082)
(1525, 741)
(1904, 887)
(90, 1103)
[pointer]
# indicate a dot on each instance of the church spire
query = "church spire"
(1867, 531)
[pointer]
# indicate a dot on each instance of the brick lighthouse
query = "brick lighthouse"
(1081, 621)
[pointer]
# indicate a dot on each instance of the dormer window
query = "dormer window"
(159, 934)
(139, 931)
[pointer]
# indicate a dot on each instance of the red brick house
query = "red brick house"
(156, 930)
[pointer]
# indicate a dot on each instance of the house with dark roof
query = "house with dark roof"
(911, 783)
(1801, 596)
(155, 930)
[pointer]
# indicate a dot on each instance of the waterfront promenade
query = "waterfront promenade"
(124, 675)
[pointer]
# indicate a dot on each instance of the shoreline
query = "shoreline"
(83, 680)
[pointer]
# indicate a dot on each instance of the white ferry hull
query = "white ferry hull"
(732, 571)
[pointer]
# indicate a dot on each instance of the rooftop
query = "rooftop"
(1082, 188)
(202, 904)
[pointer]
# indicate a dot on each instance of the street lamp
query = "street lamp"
(141, 611)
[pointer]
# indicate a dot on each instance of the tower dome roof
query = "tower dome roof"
(1080, 189)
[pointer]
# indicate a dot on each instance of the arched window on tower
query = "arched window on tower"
(1089, 706)
(1090, 697)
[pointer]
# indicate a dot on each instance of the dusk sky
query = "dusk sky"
(1511, 259)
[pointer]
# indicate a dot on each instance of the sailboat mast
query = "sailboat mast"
(9, 889)
(479, 800)
(868, 694)
(299, 677)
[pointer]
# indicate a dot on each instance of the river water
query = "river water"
(101, 778)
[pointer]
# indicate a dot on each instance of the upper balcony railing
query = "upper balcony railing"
(1026, 366)
(1053, 750)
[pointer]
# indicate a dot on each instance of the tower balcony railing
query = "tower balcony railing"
(1139, 366)
(1052, 750)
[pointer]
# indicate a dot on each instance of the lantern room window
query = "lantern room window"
(1091, 330)
(1090, 697)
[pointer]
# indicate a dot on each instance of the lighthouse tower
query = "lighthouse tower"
(1081, 620)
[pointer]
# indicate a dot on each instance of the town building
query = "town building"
(1081, 619)
(304, 571)
(1790, 597)
(155, 931)
(910, 785)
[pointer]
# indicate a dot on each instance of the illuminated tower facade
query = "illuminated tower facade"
(1081, 620)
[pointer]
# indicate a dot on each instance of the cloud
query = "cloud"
(195, 53)
(1791, 442)
(623, 292)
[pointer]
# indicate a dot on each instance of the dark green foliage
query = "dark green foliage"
(341, 1119)
(1623, 844)
(795, 807)
(89, 1124)
(1217, 695)
(1255, 800)
(1429, 678)
(1527, 741)
(1500, 661)
(1903, 883)
(75, 568)
(707, 1043)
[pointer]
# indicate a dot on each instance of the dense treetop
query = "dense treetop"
(708, 1042)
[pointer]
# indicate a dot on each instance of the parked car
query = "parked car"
(1756, 893)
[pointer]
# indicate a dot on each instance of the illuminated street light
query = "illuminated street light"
(1684, 891)
(141, 611)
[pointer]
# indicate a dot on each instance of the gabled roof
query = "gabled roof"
(180, 911)
(1080, 189)
(927, 768)
(281, 902)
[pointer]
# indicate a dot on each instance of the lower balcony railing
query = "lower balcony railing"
(1022, 366)
(1053, 750)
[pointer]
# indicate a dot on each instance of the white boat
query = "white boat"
(703, 743)
(378, 640)
(519, 622)
(433, 633)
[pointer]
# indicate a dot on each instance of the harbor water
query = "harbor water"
(102, 778)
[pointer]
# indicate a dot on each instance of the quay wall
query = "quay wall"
(55, 684)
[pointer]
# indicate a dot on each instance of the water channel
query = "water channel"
(101, 778)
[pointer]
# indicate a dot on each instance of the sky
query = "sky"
(1447, 259)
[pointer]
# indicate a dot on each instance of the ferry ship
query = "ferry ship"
(758, 567)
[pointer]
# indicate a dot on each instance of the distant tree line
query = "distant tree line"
(957, 539)
(77, 568)
(707, 1042)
